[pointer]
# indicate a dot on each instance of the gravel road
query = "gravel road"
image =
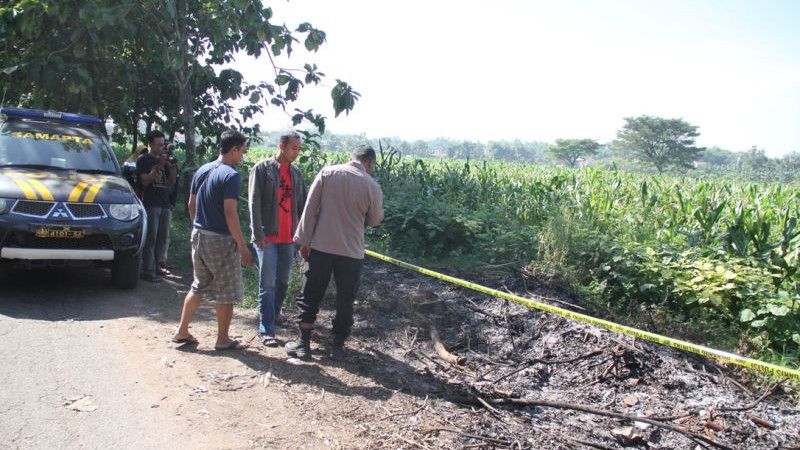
(59, 347)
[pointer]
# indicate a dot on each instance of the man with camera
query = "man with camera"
(163, 267)
(157, 175)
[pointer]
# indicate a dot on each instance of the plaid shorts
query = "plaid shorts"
(217, 268)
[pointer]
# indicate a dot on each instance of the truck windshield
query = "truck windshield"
(54, 145)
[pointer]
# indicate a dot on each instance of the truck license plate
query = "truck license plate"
(59, 232)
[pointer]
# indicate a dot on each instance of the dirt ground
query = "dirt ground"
(520, 379)
(525, 379)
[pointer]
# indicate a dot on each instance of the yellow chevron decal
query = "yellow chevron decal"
(27, 190)
(92, 192)
(46, 195)
(76, 192)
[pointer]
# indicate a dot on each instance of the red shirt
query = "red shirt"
(284, 235)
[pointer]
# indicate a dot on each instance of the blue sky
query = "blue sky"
(541, 70)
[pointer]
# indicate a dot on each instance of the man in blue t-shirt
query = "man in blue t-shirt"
(218, 248)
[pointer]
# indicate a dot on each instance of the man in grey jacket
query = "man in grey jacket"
(342, 200)
(276, 198)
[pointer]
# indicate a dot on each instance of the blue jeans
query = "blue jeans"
(157, 235)
(275, 265)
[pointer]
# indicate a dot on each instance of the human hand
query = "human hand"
(305, 250)
(245, 255)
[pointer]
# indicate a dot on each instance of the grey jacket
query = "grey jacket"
(263, 192)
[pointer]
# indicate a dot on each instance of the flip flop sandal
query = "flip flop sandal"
(232, 345)
(186, 340)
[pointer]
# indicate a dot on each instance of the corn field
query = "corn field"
(717, 254)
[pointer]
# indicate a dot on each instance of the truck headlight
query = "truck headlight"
(124, 211)
(5, 205)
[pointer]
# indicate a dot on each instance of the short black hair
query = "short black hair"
(364, 153)
(153, 134)
(229, 139)
(288, 136)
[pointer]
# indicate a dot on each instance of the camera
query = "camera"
(171, 154)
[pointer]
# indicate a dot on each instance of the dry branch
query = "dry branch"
(600, 412)
(588, 354)
(766, 394)
(441, 350)
(760, 421)
(472, 436)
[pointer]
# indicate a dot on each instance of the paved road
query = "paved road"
(58, 345)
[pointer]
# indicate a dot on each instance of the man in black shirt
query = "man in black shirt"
(157, 175)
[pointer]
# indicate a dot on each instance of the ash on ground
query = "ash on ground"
(521, 378)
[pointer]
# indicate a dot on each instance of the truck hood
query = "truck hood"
(63, 186)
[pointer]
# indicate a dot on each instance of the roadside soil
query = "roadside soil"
(524, 379)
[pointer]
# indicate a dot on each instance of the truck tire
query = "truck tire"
(125, 270)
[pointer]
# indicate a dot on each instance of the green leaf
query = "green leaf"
(344, 97)
(9, 70)
(746, 315)
(314, 40)
(778, 310)
(171, 9)
(83, 73)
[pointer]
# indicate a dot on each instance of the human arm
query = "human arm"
(302, 192)
(375, 212)
(172, 173)
(192, 207)
(232, 221)
(254, 198)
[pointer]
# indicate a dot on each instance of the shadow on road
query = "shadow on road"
(85, 294)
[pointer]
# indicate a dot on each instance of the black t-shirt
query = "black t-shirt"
(157, 194)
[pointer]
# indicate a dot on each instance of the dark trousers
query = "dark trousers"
(347, 274)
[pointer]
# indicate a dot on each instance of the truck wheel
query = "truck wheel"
(125, 270)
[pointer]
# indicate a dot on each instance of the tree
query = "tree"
(716, 156)
(658, 141)
(156, 60)
(791, 161)
(754, 159)
(570, 151)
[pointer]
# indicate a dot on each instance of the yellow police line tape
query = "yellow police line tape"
(630, 331)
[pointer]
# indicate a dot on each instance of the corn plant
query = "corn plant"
(637, 239)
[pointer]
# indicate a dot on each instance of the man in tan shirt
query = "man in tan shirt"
(342, 199)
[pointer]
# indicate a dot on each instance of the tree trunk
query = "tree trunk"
(185, 97)
(135, 131)
(183, 79)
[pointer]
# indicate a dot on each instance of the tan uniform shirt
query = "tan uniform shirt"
(342, 199)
